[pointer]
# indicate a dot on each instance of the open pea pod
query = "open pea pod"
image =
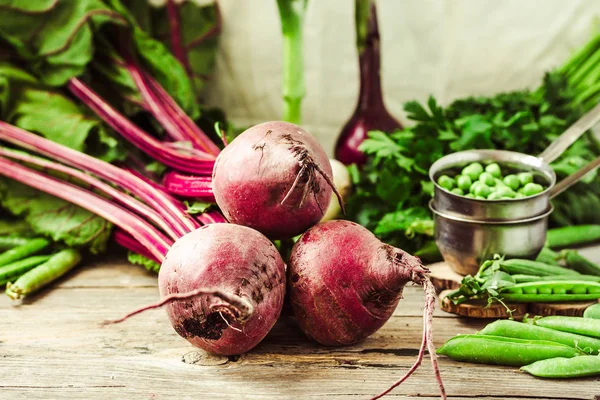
(551, 291)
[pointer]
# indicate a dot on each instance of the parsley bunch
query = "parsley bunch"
(393, 189)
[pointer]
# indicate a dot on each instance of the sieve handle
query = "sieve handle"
(569, 136)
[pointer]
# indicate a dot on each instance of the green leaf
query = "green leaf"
(400, 221)
(55, 37)
(36, 108)
(416, 112)
(55, 218)
(476, 132)
(197, 207)
(138, 259)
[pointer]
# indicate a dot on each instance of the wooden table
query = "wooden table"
(52, 347)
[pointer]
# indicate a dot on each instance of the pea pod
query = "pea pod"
(579, 325)
(10, 272)
(519, 278)
(58, 265)
(499, 350)
(520, 330)
(592, 312)
(551, 291)
(548, 256)
(31, 247)
(579, 263)
(8, 242)
(528, 267)
(572, 235)
(560, 367)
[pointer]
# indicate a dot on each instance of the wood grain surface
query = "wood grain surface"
(52, 347)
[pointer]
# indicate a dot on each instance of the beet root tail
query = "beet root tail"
(238, 305)
(427, 342)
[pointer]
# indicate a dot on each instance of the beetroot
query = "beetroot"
(240, 262)
(223, 286)
(344, 284)
(275, 178)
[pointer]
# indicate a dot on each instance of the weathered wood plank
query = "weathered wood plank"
(51, 346)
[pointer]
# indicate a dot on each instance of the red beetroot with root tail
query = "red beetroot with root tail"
(344, 284)
(240, 262)
(223, 287)
(274, 177)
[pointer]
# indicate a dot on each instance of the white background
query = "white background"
(448, 48)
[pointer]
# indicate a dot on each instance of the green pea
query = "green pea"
(482, 190)
(458, 191)
(506, 192)
(464, 182)
(525, 178)
(494, 169)
(487, 179)
(470, 195)
(512, 181)
(500, 183)
(519, 195)
(579, 290)
(559, 290)
(446, 182)
(473, 170)
(545, 290)
(530, 290)
(480, 198)
(494, 196)
(474, 186)
(531, 189)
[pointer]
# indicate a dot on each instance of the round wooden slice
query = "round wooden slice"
(443, 277)
(572, 309)
(479, 308)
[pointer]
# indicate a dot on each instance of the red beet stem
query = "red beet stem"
(165, 205)
(127, 241)
(156, 243)
(122, 198)
(139, 138)
(199, 187)
(176, 40)
(167, 112)
(211, 217)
